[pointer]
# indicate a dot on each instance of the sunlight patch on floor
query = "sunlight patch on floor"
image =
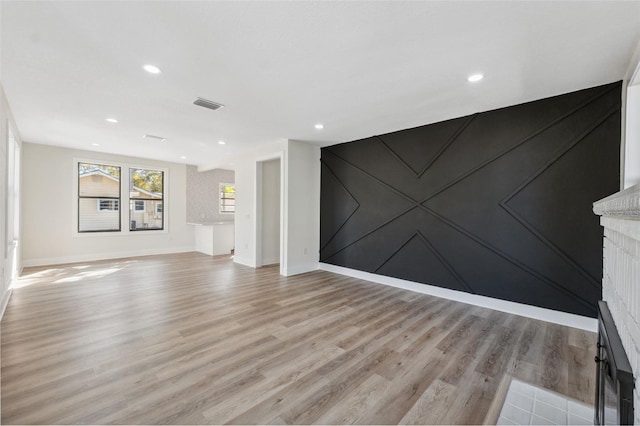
(76, 273)
(90, 274)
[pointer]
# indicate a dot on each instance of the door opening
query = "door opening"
(268, 212)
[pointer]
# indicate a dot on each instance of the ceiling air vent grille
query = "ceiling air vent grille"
(207, 104)
(154, 138)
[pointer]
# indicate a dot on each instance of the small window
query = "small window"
(227, 198)
(146, 193)
(98, 197)
(108, 205)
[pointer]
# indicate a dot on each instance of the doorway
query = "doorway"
(268, 212)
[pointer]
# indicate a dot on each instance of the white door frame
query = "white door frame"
(257, 214)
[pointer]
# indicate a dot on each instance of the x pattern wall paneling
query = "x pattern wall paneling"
(496, 204)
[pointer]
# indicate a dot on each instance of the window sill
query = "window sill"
(124, 233)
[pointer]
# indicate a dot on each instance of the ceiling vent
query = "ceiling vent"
(154, 138)
(207, 104)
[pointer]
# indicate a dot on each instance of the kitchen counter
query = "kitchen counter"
(214, 238)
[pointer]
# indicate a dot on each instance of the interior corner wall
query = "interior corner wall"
(203, 195)
(632, 140)
(245, 220)
(496, 204)
(300, 179)
(303, 207)
(49, 235)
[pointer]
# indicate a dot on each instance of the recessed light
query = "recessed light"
(95, 144)
(183, 157)
(111, 120)
(319, 126)
(221, 142)
(152, 69)
(475, 78)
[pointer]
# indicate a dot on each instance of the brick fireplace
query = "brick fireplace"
(620, 217)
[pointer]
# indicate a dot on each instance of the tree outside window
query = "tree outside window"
(227, 198)
(146, 193)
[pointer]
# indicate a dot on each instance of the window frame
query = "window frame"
(135, 206)
(221, 199)
(79, 197)
(124, 198)
(100, 209)
(144, 200)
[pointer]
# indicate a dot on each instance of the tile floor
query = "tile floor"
(526, 404)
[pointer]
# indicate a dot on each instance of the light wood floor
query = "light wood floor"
(191, 339)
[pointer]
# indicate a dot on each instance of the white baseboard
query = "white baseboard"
(301, 269)
(5, 301)
(270, 261)
(543, 314)
(101, 256)
(243, 261)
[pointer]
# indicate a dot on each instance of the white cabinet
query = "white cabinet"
(214, 238)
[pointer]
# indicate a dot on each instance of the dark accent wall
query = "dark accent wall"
(496, 203)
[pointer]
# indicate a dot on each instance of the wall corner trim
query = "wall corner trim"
(301, 269)
(243, 261)
(270, 261)
(542, 314)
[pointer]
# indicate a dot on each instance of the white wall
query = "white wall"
(632, 140)
(48, 218)
(270, 212)
(300, 204)
(303, 209)
(630, 143)
(203, 195)
(10, 260)
(245, 221)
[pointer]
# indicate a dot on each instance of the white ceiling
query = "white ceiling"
(360, 68)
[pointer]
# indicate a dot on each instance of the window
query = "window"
(12, 216)
(227, 198)
(100, 188)
(146, 192)
(108, 205)
(98, 197)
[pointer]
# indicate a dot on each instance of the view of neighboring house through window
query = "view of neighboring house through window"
(98, 197)
(227, 198)
(146, 197)
(108, 205)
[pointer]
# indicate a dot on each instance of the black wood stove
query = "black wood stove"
(614, 378)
